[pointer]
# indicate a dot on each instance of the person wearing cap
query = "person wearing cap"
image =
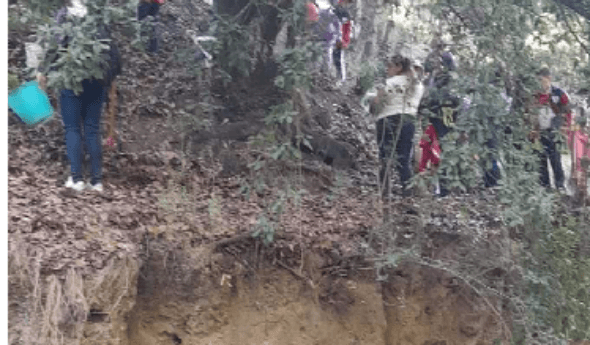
(150, 8)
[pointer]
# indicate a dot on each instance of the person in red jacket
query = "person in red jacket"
(430, 149)
(341, 11)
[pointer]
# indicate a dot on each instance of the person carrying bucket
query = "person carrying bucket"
(82, 109)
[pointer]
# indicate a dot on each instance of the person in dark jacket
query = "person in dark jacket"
(441, 106)
(150, 8)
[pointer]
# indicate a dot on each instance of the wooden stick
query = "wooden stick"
(111, 111)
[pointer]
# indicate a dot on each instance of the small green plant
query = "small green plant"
(570, 311)
(367, 76)
(85, 56)
(265, 230)
(294, 66)
(267, 224)
(13, 81)
(231, 50)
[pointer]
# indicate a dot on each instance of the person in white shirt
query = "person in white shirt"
(395, 108)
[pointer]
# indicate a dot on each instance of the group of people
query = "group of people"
(411, 92)
(333, 28)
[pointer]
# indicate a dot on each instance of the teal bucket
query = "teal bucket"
(30, 103)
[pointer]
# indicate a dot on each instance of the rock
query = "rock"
(333, 152)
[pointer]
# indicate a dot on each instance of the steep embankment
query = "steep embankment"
(165, 255)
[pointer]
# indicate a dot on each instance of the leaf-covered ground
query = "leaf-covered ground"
(146, 195)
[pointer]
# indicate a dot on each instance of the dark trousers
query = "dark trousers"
(83, 111)
(337, 58)
(550, 152)
(491, 176)
(389, 137)
(146, 9)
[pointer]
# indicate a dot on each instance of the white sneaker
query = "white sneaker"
(96, 188)
(78, 186)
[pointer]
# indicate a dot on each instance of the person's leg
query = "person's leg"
(94, 97)
(337, 58)
(153, 44)
(71, 108)
(385, 144)
(555, 159)
(491, 176)
(329, 57)
(543, 167)
(342, 65)
(404, 154)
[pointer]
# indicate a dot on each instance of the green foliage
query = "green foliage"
(295, 15)
(265, 230)
(85, 55)
(570, 313)
(281, 116)
(13, 81)
(367, 76)
(231, 50)
(43, 7)
(499, 37)
(268, 223)
(294, 66)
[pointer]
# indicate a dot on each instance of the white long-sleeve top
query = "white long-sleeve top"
(397, 99)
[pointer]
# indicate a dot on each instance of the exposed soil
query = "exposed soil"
(165, 255)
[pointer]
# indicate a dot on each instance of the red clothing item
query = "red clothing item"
(557, 97)
(312, 12)
(430, 149)
(346, 31)
(580, 141)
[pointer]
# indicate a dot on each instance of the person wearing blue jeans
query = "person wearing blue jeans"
(84, 111)
(81, 111)
(145, 9)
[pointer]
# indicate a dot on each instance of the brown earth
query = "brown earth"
(165, 255)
